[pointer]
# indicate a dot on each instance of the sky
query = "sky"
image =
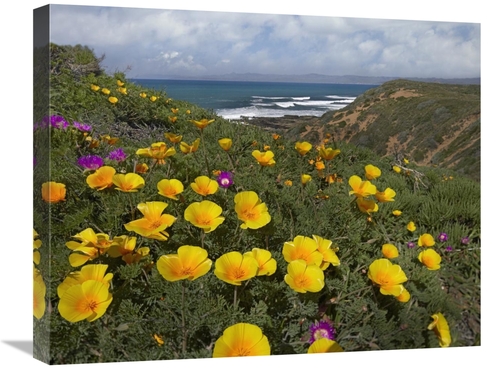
(16, 330)
(154, 42)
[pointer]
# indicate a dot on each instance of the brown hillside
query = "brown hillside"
(430, 123)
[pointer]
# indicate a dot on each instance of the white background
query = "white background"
(16, 177)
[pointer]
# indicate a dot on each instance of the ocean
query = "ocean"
(236, 99)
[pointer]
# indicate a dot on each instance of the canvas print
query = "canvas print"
(216, 184)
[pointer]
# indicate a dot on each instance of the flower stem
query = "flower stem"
(235, 297)
(205, 153)
(184, 330)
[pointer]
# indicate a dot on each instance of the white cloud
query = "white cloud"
(198, 41)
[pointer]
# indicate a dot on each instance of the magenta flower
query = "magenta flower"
(465, 240)
(449, 248)
(321, 329)
(117, 155)
(443, 237)
(82, 127)
(410, 245)
(91, 162)
(225, 179)
(57, 121)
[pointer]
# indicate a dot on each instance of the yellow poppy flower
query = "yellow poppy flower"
(319, 166)
(288, 182)
(39, 291)
(204, 186)
(327, 153)
(143, 95)
(303, 147)
(397, 213)
(93, 272)
(390, 251)
(187, 149)
(174, 110)
(201, 124)
(109, 140)
(172, 119)
(276, 136)
(153, 98)
(53, 192)
(102, 178)
(119, 83)
(265, 158)
(170, 188)
(113, 100)
(94, 87)
(324, 345)
(105, 91)
(251, 210)
(304, 278)
(129, 182)
(88, 300)
(158, 151)
(426, 240)
(122, 90)
(225, 143)
(325, 249)
(154, 223)
(386, 196)
(303, 248)
(361, 188)
(267, 265)
(404, 296)
(242, 339)
(204, 215)
(396, 169)
(173, 138)
(441, 329)
(430, 258)
(406, 161)
(122, 245)
(372, 172)
(411, 227)
(158, 339)
(141, 168)
(389, 277)
(234, 267)
(189, 263)
(304, 178)
(366, 206)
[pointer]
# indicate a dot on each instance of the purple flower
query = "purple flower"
(225, 179)
(91, 162)
(410, 245)
(443, 237)
(57, 121)
(117, 155)
(465, 240)
(321, 329)
(449, 248)
(82, 127)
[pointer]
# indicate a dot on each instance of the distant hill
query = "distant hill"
(311, 78)
(429, 123)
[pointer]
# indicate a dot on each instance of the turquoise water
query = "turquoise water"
(233, 99)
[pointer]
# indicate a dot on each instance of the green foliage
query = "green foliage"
(151, 318)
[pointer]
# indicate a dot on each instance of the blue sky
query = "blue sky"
(194, 43)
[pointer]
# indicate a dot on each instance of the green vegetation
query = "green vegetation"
(150, 318)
